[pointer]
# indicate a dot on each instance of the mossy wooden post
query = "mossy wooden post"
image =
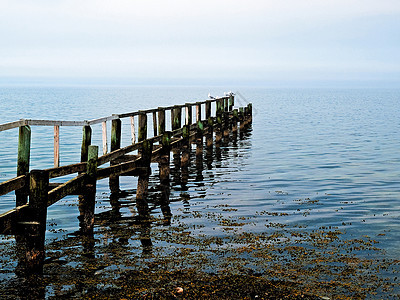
(34, 230)
(185, 146)
(88, 200)
(143, 180)
(208, 109)
(198, 111)
(86, 141)
(161, 121)
(246, 116)
(199, 138)
(115, 145)
(220, 110)
(241, 118)
(176, 117)
(24, 150)
(235, 118)
(188, 111)
(155, 131)
(185, 158)
(226, 104)
(164, 169)
(209, 136)
(250, 112)
(226, 124)
(142, 132)
(231, 102)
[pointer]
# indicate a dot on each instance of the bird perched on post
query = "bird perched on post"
(211, 97)
(230, 93)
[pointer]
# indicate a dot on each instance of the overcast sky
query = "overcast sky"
(251, 42)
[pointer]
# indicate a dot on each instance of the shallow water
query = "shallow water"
(313, 160)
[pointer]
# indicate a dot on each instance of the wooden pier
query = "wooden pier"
(34, 192)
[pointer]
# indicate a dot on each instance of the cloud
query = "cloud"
(176, 38)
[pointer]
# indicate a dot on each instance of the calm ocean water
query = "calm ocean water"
(315, 158)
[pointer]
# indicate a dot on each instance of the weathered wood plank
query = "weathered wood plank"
(11, 125)
(117, 153)
(66, 170)
(8, 219)
(53, 123)
(65, 189)
(118, 169)
(101, 120)
(13, 184)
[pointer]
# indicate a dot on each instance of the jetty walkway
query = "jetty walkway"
(200, 123)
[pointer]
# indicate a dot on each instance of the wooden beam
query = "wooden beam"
(133, 134)
(117, 153)
(117, 169)
(56, 146)
(67, 188)
(104, 135)
(24, 150)
(9, 219)
(13, 184)
(66, 170)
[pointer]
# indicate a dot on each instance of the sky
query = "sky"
(253, 42)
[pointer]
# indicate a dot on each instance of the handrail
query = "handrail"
(34, 122)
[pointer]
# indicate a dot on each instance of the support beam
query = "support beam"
(88, 200)
(30, 241)
(24, 150)
(104, 135)
(56, 146)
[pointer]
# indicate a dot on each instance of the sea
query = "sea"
(309, 193)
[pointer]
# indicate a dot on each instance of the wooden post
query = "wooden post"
(115, 145)
(208, 109)
(86, 141)
(231, 102)
(161, 120)
(250, 111)
(198, 112)
(133, 134)
(116, 134)
(226, 123)
(185, 146)
(176, 117)
(246, 116)
(218, 131)
(199, 138)
(164, 169)
(241, 118)
(24, 150)
(104, 135)
(56, 146)
(31, 242)
(185, 158)
(155, 123)
(188, 110)
(226, 104)
(235, 119)
(142, 135)
(219, 107)
(209, 137)
(199, 151)
(143, 181)
(172, 119)
(88, 200)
